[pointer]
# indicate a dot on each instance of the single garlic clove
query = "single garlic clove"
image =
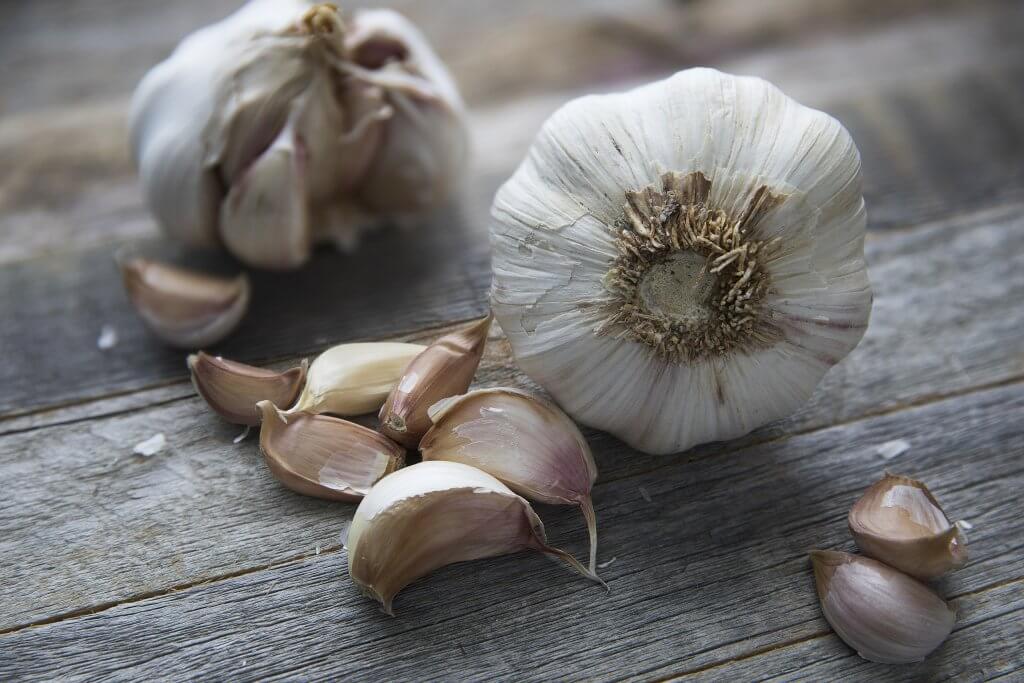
(233, 389)
(899, 522)
(182, 307)
(446, 368)
(325, 457)
(432, 514)
(883, 614)
(354, 379)
(527, 443)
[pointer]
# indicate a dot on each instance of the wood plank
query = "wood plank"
(985, 646)
(710, 563)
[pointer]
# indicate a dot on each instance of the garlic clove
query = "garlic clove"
(432, 514)
(883, 614)
(446, 368)
(325, 457)
(527, 443)
(233, 389)
(899, 522)
(184, 308)
(354, 379)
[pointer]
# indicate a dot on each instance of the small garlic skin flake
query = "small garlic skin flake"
(883, 614)
(446, 368)
(432, 514)
(233, 389)
(682, 263)
(290, 123)
(899, 522)
(524, 441)
(325, 457)
(354, 379)
(184, 308)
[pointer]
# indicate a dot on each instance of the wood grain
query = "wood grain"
(709, 564)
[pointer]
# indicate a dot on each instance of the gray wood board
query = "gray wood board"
(709, 565)
(984, 647)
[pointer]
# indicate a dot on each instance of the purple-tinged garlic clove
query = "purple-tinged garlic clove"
(233, 389)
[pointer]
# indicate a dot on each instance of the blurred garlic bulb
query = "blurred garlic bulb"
(446, 368)
(883, 614)
(432, 514)
(528, 444)
(899, 522)
(354, 379)
(287, 124)
(233, 389)
(325, 457)
(682, 263)
(184, 308)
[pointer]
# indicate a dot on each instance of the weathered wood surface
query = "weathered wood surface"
(195, 563)
(61, 297)
(710, 564)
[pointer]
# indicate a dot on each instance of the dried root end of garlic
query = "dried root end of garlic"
(899, 522)
(184, 308)
(525, 442)
(233, 389)
(883, 614)
(683, 262)
(325, 457)
(289, 123)
(429, 515)
(446, 368)
(354, 379)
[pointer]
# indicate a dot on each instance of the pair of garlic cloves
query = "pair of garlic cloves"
(184, 308)
(436, 513)
(879, 606)
(525, 442)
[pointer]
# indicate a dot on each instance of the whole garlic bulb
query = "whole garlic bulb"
(287, 124)
(682, 263)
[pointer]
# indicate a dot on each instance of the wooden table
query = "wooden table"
(196, 563)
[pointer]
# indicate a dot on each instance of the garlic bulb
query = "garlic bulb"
(184, 308)
(287, 124)
(325, 457)
(354, 379)
(528, 444)
(899, 522)
(432, 514)
(233, 389)
(883, 614)
(446, 368)
(682, 263)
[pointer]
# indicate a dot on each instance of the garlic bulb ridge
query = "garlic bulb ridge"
(289, 123)
(682, 263)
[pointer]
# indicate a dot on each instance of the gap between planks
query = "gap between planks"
(758, 652)
(332, 549)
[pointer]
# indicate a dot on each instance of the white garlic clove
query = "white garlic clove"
(432, 514)
(883, 614)
(683, 262)
(527, 443)
(899, 522)
(325, 457)
(354, 379)
(446, 368)
(184, 308)
(233, 389)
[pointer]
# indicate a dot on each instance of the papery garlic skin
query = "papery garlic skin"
(432, 514)
(899, 522)
(883, 614)
(265, 132)
(683, 262)
(325, 457)
(354, 379)
(525, 442)
(233, 389)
